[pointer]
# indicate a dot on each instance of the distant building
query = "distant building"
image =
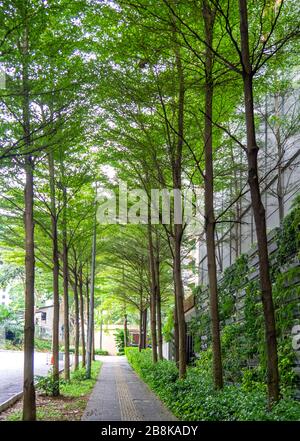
(44, 322)
(105, 337)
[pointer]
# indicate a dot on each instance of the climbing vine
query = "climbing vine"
(241, 314)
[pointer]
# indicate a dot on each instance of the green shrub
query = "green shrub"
(119, 337)
(47, 385)
(195, 398)
(101, 352)
(79, 374)
(42, 345)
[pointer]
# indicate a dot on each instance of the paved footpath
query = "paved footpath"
(119, 395)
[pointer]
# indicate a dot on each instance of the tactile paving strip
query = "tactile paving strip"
(127, 407)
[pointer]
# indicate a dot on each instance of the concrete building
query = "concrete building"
(279, 172)
(44, 322)
(105, 337)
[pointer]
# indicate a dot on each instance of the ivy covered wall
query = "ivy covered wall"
(242, 328)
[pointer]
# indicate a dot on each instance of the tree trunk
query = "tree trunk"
(153, 289)
(159, 324)
(93, 342)
(29, 407)
(140, 329)
(81, 304)
(176, 332)
(141, 317)
(145, 340)
(55, 260)
(65, 280)
(259, 212)
(158, 301)
(87, 299)
(91, 305)
(208, 16)
(76, 312)
(179, 303)
(178, 229)
(125, 331)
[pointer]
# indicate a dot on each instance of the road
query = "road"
(11, 371)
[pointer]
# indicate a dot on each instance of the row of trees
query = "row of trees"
(47, 186)
(186, 75)
(162, 92)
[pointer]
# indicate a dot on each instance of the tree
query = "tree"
(29, 411)
(210, 223)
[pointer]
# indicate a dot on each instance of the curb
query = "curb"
(12, 400)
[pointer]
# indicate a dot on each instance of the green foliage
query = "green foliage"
(79, 374)
(5, 313)
(242, 332)
(42, 345)
(119, 337)
(168, 326)
(75, 389)
(232, 283)
(288, 235)
(101, 352)
(13, 325)
(194, 398)
(47, 385)
(78, 385)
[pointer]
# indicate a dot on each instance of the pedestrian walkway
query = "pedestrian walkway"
(119, 395)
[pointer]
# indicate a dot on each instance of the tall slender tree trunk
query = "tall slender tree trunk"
(55, 270)
(178, 229)
(91, 305)
(176, 331)
(65, 279)
(87, 294)
(158, 298)
(259, 212)
(141, 317)
(93, 341)
(76, 312)
(158, 312)
(145, 339)
(140, 329)
(29, 407)
(153, 289)
(181, 326)
(125, 330)
(210, 224)
(81, 304)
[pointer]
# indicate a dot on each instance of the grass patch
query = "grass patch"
(79, 386)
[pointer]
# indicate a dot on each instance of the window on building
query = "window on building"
(44, 316)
